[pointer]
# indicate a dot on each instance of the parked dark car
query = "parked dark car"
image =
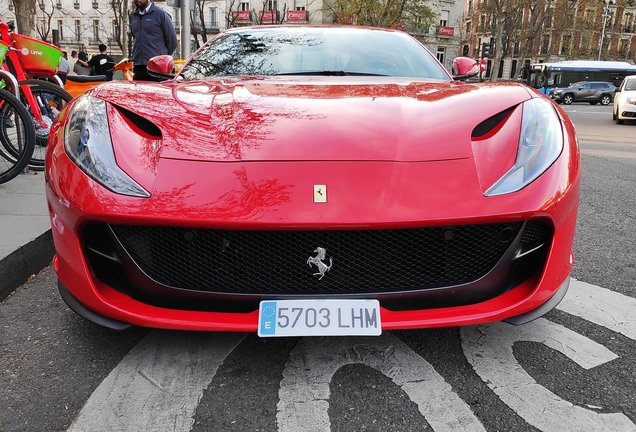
(590, 91)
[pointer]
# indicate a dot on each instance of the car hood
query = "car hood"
(314, 119)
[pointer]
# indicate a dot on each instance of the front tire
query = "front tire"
(568, 99)
(53, 98)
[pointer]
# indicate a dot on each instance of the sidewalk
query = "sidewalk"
(26, 244)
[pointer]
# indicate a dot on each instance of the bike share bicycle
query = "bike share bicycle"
(17, 134)
(34, 63)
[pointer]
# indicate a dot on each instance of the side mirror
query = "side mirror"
(161, 67)
(464, 68)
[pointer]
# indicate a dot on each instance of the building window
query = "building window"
(78, 29)
(273, 5)
(10, 5)
(244, 6)
(76, 4)
(469, 29)
(116, 32)
(60, 28)
(96, 29)
(443, 18)
(95, 4)
(465, 51)
(441, 54)
(628, 20)
(566, 43)
(622, 47)
(196, 16)
(549, 17)
(212, 18)
(513, 69)
(58, 5)
(545, 45)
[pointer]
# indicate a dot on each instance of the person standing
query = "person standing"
(71, 62)
(153, 35)
(63, 68)
(81, 66)
(102, 63)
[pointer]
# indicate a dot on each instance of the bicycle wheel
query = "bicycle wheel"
(51, 98)
(17, 136)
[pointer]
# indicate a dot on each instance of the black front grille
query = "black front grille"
(276, 262)
(172, 263)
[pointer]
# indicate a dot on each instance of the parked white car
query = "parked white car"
(625, 100)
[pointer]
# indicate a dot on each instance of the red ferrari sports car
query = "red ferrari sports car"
(312, 180)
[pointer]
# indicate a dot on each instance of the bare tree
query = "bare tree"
(231, 15)
(120, 21)
(43, 26)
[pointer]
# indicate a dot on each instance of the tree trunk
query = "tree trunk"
(25, 17)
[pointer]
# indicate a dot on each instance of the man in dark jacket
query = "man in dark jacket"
(153, 34)
(102, 63)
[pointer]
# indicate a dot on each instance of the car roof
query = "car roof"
(592, 82)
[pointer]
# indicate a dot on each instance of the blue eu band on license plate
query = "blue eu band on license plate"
(319, 318)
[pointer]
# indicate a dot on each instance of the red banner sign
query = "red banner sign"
(268, 16)
(445, 31)
(344, 19)
(296, 15)
(241, 15)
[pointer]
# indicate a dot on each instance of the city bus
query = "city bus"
(546, 76)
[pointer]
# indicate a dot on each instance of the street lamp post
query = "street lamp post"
(605, 16)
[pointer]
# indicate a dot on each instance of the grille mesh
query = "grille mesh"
(275, 262)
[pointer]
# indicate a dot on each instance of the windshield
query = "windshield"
(536, 78)
(313, 51)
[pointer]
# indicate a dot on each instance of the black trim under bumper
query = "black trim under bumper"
(544, 308)
(88, 314)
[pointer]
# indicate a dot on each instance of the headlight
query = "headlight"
(631, 101)
(87, 142)
(540, 144)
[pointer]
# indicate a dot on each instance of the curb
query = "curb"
(30, 259)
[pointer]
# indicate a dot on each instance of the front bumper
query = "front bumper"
(264, 196)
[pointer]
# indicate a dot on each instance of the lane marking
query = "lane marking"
(609, 153)
(158, 385)
(488, 349)
(607, 143)
(601, 306)
(304, 391)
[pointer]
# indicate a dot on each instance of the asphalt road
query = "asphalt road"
(573, 370)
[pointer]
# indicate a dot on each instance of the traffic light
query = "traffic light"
(485, 50)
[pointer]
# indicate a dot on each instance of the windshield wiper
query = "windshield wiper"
(331, 73)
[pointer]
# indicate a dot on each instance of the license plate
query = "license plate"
(319, 318)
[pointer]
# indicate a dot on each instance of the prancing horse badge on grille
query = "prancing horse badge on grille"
(317, 261)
